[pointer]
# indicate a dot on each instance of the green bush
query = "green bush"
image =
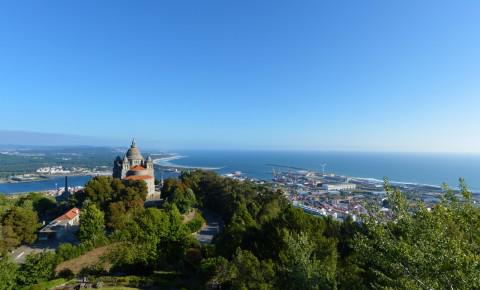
(68, 251)
(66, 273)
(196, 223)
(47, 285)
(37, 268)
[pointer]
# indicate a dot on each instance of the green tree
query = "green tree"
(103, 190)
(120, 213)
(5, 204)
(38, 202)
(154, 239)
(99, 191)
(245, 271)
(301, 269)
(196, 223)
(121, 200)
(349, 273)
(250, 273)
(174, 246)
(422, 248)
(8, 273)
(216, 272)
(67, 251)
(37, 268)
(19, 225)
(91, 224)
(175, 192)
(134, 190)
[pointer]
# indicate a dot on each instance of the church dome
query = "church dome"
(133, 153)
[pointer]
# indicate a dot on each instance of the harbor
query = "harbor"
(317, 191)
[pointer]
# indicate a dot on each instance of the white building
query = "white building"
(66, 223)
(339, 186)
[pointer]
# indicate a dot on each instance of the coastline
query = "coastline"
(166, 162)
(46, 185)
(41, 178)
(255, 169)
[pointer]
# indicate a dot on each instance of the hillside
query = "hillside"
(89, 259)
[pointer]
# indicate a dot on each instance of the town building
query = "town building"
(59, 228)
(339, 186)
(134, 167)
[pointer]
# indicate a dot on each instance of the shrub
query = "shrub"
(68, 251)
(37, 268)
(196, 223)
(66, 273)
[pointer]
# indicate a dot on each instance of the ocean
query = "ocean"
(432, 169)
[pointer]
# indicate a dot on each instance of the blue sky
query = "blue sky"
(315, 75)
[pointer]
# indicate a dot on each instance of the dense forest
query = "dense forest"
(266, 242)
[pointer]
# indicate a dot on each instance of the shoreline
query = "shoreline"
(41, 178)
(46, 185)
(165, 162)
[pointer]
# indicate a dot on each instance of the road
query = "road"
(19, 254)
(214, 224)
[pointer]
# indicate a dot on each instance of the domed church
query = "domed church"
(135, 167)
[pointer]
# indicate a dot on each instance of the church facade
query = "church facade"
(134, 167)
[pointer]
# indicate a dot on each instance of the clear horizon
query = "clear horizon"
(250, 75)
(66, 141)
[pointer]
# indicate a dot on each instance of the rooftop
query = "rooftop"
(134, 153)
(71, 214)
(137, 168)
(138, 177)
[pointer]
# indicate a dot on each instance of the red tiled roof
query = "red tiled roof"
(71, 214)
(138, 177)
(137, 168)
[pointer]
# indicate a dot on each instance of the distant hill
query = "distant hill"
(8, 137)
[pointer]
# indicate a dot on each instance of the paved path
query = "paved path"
(19, 254)
(214, 224)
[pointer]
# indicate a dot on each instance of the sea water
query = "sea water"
(432, 169)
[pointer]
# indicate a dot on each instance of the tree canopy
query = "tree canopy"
(422, 248)
(266, 243)
(154, 239)
(8, 273)
(120, 200)
(103, 190)
(19, 225)
(37, 268)
(91, 224)
(174, 191)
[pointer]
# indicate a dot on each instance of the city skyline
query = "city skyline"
(270, 75)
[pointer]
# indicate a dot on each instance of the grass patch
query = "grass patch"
(89, 259)
(47, 284)
(114, 288)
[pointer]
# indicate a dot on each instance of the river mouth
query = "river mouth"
(51, 184)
